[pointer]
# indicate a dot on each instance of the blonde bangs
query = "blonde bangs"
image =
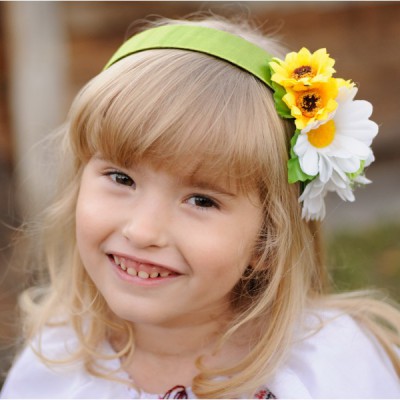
(197, 115)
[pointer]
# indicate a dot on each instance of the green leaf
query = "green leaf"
(293, 141)
(282, 109)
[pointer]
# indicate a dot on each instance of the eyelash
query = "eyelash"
(210, 202)
(116, 175)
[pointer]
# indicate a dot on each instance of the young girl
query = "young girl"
(183, 257)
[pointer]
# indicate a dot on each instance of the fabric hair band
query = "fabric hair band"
(220, 44)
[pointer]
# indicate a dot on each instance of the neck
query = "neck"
(166, 356)
(182, 341)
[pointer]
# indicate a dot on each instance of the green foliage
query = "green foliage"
(366, 259)
(281, 107)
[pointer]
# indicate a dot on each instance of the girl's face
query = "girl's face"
(163, 249)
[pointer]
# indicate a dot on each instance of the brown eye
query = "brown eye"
(121, 179)
(202, 201)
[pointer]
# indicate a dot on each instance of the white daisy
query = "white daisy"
(313, 200)
(313, 196)
(340, 143)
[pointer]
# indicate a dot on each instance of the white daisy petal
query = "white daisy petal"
(309, 162)
(361, 109)
(362, 180)
(336, 150)
(370, 159)
(348, 165)
(313, 210)
(325, 168)
(356, 147)
(345, 194)
(337, 182)
(364, 131)
(313, 205)
(355, 110)
(301, 145)
(341, 187)
(316, 190)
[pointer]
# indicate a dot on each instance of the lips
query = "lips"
(141, 269)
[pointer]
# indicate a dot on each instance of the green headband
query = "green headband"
(220, 44)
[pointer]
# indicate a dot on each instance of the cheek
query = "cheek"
(220, 254)
(85, 219)
(84, 234)
(91, 233)
(91, 222)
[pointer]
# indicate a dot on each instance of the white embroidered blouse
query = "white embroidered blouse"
(339, 361)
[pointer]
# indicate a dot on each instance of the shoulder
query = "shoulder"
(334, 357)
(30, 377)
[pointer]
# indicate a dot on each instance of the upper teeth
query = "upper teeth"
(140, 274)
(143, 274)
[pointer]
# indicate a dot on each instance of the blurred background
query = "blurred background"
(48, 50)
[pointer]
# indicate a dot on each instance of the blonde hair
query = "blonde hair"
(177, 108)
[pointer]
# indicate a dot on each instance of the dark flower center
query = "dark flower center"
(309, 102)
(303, 72)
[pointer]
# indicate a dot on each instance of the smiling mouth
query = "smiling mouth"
(143, 271)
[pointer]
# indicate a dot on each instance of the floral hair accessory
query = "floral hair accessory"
(331, 144)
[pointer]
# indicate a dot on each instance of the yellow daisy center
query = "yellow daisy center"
(309, 102)
(322, 136)
(305, 71)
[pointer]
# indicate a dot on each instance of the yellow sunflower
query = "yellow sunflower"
(312, 104)
(303, 69)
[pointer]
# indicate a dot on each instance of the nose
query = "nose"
(147, 225)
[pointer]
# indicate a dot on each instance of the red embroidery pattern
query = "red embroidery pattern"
(264, 393)
(177, 392)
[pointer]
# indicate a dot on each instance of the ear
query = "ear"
(254, 260)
